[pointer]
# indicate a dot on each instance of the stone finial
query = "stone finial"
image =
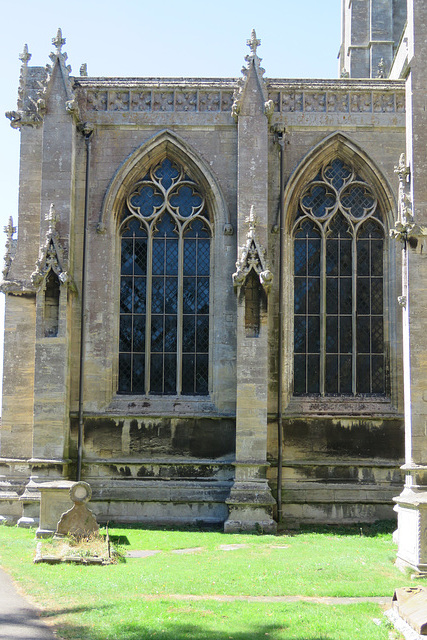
(51, 217)
(25, 56)
(58, 41)
(381, 69)
(9, 230)
(253, 43)
(252, 256)
(345, 73)
(83, 70)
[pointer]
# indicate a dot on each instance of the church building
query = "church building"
(205, 317)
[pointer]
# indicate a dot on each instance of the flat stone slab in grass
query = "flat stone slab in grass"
(232, 547)
(141, 553)
(190, 550)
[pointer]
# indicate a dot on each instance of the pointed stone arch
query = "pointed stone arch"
(339, 145)
(165, 143)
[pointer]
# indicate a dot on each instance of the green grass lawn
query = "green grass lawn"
(132, 600)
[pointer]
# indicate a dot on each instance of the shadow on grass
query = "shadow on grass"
(135, 631)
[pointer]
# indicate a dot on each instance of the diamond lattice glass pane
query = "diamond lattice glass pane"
(299, 374)
(346, 333)
(166, 173)
(157, 295)
(300, 257)
(166, 227)
(346, 262)
(332, 334)
(363, 334)
(202, 334)
(313, 258)
(139, 295)
(358, 200)
(332, 295)
(126, 295)
(313, 334)
(377, 295)
(127, 256)
(138, 333)
(186, 200)
(363, 374)
(331, 257)
(339, 227)
(169, 374)
(138, 373)
(158, 267)
(190, 261)
(363, 295)
(171, 295)
(172, 257)
(363, 253)
(377, 335)
(300, 325)
(201, 374)
(156, 333)
(125, 343)
(188, 374)
(170, 334)
(125, 373)
(197, 229)
(371, 229)
(346, 295)
(140, 264)
(378, 374)
(313, 378)
(203, 257)
(313, 295)
(318, 199)
(147, 200)
(300, 290)
(188, 334)
(156, 373)
(331, 374)
(202, 295)
(189, 295)
(337, 173)
(345, 375)
(377, 257)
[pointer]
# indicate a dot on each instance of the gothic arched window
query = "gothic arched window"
(338, 286)
(164, 286)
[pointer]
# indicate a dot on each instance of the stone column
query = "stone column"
(412, 230)
(250, 502)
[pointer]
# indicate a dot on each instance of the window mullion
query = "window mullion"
(148, 311)
(322, 369)
(353, 312)
(179, 320)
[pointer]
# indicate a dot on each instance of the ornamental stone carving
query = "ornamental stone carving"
(141, 100)
(361, 102)
(209, 101)
(186, 100)
(118, 101)
(51, 256)
(10, 247)
(97, 101)
(252, 257)
(163, 101)
(315, 101)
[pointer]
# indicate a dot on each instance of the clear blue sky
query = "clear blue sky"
(167, 38)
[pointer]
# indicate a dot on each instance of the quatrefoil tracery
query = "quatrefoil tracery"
(166, 188)
(337, 187)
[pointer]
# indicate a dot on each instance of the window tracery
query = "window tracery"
(164, 292)
(339, 286)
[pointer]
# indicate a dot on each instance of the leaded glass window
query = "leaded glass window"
(338, 286)
(164, 286)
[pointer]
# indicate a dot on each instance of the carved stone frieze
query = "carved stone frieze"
(361, 102)
(292, 101)
(118, 101)
(226, 100)
(384, 102)
(140, 100)
(252, 257)
(209, 101)
(338, 102)
(315, 101)
(97, 100)
(163, 101)
(186, 100)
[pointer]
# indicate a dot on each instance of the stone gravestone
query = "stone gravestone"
(79, 521)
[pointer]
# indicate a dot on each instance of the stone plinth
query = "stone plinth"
(54, 500)
(411, 508)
